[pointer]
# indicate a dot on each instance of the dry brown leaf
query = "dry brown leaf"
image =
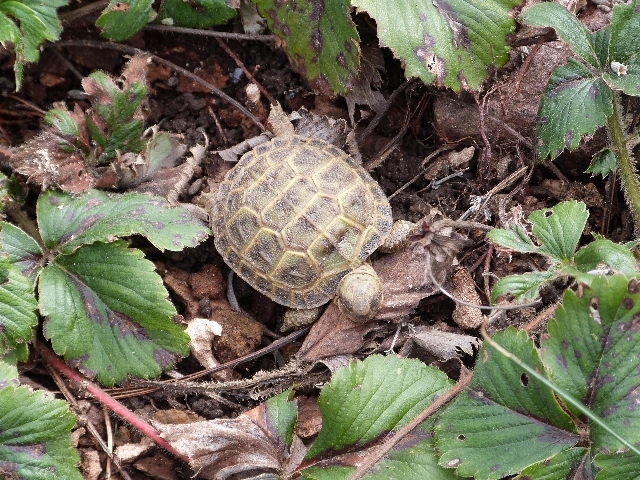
(464, 288)
(445, 345)
(218, 449)
(333, 334)
(404, 275)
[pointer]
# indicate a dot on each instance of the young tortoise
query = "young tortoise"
(297, 217)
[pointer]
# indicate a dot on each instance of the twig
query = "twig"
(210, 33)
(264, 92)
(133, 51)
(68, 18)
(108, 401)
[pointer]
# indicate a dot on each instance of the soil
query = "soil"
(426, 119)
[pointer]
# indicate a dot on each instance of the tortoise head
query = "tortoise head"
(359, 294)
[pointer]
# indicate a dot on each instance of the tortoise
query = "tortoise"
(297, 217)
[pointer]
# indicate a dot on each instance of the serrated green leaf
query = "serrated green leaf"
(566, 25)
(628, 83)
(108, 312)
(35, 436)
(8, 374)
(415, 458)
(20, 250)
(603, 163)
(559, 228)
(450, 42)
(602, 251)
(207, 13)
(524, 287)
(320, 40)
(17, 308)
(592, 352)
(38, 22)
(124, 18)
(63, 122)
(618, 466)
(515, 239)
(574, 104)
(557, 468)
(624, 46)
(390, 390)
(66, 222)
(505, 420)
(282, 415)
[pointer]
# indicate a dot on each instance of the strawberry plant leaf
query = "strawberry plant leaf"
(574, 104)
(592, 352)
(524, 287)
(124, 18)
(521, 421)
(624, 47)
(618, 466)
(100, 318)
(559, 228)
(35, 436)
(8, 374)
(38, 21)
(567, 26)
(451, 43)
(558, 467)
(390, 390)
(319, 38)
(603, 163)
(66, 222)
(17, 308)
(603, 251)
(20, 250)
(200, 14)
(282, 415)
(515, 239)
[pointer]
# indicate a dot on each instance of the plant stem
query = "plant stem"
(625, 162)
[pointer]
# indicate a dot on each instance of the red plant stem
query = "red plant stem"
(111, 403)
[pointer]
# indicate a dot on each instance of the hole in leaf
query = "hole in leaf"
(548, 213)
(461, 437)
(524, 379)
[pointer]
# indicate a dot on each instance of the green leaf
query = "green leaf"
(62, 120)
(8, 374)
(319, 38)
(557, 468)
(453, 43)
(124, 18)
(282, 415)
(334, 472)
(574, 104)
(559, 228)
(66, 222)
(108, 311)
(20, 249)
(624, 46)
(504, 420)
(592, 352)
(602, 251)
(17, 308)
(524, 287)
(35, 436)
(203, 13)
(618, 466)
(515, 239)
(566, 25)
(38, 21)
(391, 392)
(603, 163)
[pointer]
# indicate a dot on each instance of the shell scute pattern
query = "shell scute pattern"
(295, 215)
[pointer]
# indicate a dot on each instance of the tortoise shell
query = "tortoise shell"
(295, 215)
